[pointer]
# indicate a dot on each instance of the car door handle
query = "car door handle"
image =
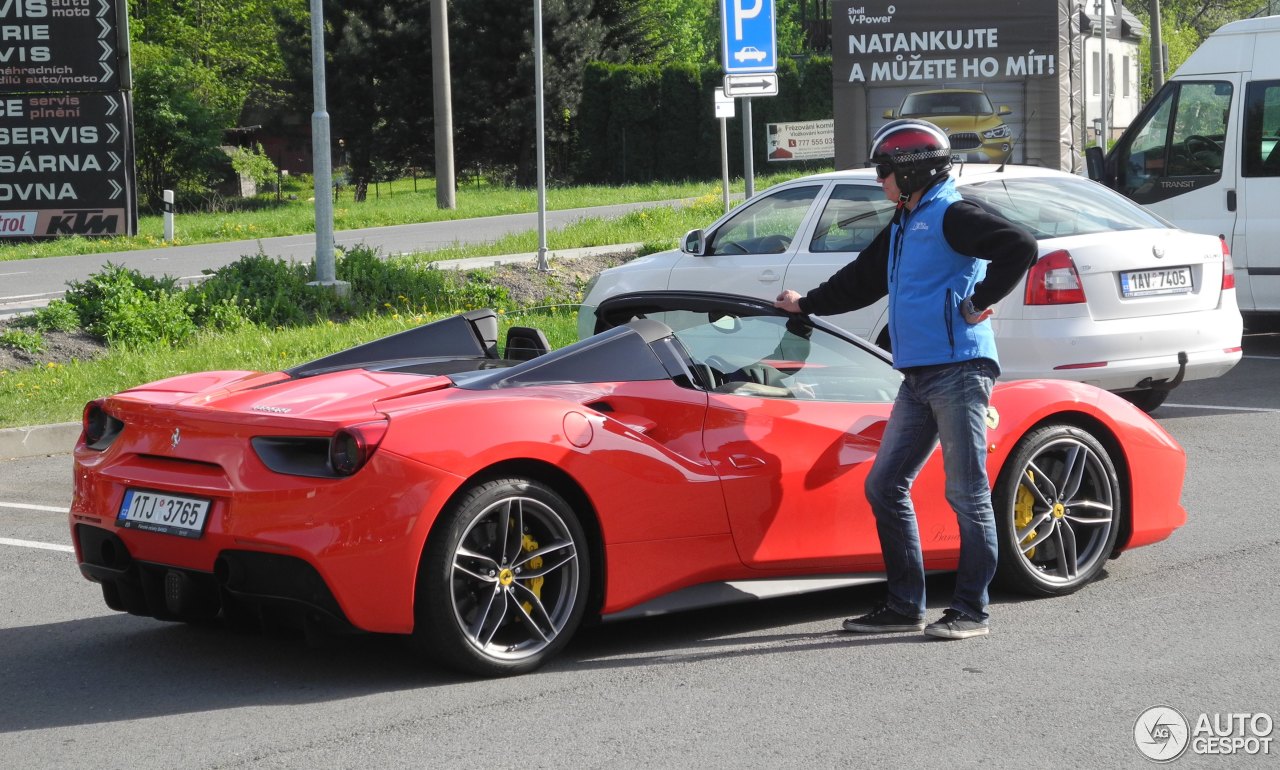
(743, 462)
(769, 276)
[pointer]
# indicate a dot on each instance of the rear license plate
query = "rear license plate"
(1141, 283)
(161, 512)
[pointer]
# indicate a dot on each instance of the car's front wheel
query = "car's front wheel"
(503, 581)
(1058, 510)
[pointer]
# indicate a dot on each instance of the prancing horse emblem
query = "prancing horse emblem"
(175, 439)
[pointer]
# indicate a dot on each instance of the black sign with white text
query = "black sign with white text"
(59, 45)
(66, 165)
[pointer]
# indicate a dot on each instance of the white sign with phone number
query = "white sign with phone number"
(807, 140)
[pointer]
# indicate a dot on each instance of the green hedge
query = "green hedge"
(644, 123)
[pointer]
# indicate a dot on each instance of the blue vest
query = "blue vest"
(927, 282)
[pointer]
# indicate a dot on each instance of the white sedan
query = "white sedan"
(1119, 298)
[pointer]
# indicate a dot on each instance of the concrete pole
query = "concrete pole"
(322, 162)
(543, 264)
(1157, 46)
(443, 100)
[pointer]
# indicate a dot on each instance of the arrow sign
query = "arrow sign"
(115, 133)
(115, 161)
(116, 189)
(104, 8)
(111, 100)
(107, 72)
(762, 84)
(106, 28)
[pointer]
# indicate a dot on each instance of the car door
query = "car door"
(1178, 158)
(1256, 245)
(853, 213)
(794, 421)
(747, 253)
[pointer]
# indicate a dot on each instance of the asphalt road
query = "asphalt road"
(29, 283)
(1190, 623)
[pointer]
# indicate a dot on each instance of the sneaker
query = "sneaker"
(956, 625)
(883, 620)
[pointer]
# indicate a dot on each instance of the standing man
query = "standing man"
(944, 262)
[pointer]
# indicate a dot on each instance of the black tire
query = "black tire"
(474, 610)
(1058, 508)
(1147, 400)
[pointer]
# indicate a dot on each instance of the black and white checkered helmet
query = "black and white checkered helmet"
(916, 150)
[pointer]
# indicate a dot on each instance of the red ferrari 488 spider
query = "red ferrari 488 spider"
(698, 449)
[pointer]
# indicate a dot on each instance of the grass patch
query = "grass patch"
(56, 393)
(391, 204)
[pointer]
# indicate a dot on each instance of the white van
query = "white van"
(1204, 153)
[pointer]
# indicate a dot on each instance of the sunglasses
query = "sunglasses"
(883, 170)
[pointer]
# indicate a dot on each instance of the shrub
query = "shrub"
(57, 316)
(379, 285)
(27, 341)
(261, 289)
(127, 308)
(91, 297)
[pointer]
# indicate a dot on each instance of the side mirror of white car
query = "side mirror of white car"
(693, 243)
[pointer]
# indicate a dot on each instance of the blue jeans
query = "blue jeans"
(946, 403)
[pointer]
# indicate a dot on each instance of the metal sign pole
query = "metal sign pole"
(322, 163)
(543, 264)
(724, 161)
(748, 166)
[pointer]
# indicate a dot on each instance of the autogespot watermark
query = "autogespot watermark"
(1163, 734)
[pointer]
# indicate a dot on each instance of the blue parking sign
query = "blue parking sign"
(750, 38)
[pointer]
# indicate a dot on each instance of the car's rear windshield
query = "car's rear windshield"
(1054, 207)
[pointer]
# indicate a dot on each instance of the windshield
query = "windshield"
(1060, 206)
(947, 103)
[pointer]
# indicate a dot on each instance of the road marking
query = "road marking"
(1225, 408)
(30, 507)
(34, 544)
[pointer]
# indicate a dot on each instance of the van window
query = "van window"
(1179, 145)
(1262, 128)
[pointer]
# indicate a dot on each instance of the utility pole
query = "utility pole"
(322, 162)
(1157, 46)
(443, 100)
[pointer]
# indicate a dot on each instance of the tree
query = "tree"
(178, 125)
(1184, 26)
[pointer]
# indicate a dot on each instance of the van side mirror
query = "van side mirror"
(694, 243)
(1094, 162)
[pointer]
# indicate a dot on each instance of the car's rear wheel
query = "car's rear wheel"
(504, 579)
(1146, 400)
(1058, 509)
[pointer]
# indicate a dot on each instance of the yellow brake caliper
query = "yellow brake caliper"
(529, 545)
(1023, 509)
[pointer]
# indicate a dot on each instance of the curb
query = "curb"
(60, 438)
(36, 440)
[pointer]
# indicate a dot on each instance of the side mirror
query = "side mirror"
(694, 243)
(888, 114)
(1004, 110)
(1094, 162)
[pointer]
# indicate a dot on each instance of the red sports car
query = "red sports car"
(699, 449)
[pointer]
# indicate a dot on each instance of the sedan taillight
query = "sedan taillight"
(1228, 266)
(1053, 280)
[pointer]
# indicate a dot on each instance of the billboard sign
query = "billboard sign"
(805, 140)
(990, 73)
(60, 45)
(66, 165)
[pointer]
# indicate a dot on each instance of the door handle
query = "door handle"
(1231, 200)
(743, 462)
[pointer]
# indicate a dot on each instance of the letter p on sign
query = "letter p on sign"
(741, 12)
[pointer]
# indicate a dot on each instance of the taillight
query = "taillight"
(1053, 280)
(1228, 266)
(100, 428)
(351, 447)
